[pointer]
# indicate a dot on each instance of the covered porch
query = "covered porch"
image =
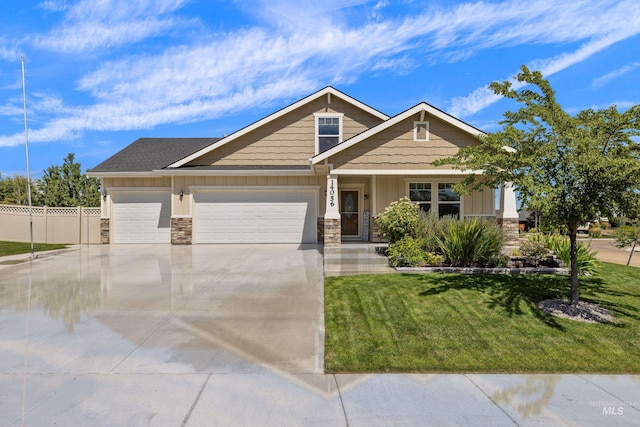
(354, 200)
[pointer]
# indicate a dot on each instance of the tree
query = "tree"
(13, 191)
(628, 235)
(66, 186)
(571, 169)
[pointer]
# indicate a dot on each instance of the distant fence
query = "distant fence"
(50, 225)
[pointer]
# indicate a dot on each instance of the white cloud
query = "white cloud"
(91, 24)
(53, 5)
(483, 97)
(603, 80)
(256, 66)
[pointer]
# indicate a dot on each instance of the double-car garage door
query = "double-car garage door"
(220, 216)
(255, 216)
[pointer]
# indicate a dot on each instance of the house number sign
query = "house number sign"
(332, 193)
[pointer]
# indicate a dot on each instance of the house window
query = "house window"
(420, 192)
(420, 131)
(448, 201)
(328, 131)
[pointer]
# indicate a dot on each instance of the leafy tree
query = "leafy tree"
(571, 169)
(65, 185)
(13, 191)
(628, 235)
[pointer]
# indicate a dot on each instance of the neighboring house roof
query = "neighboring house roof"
(422, 107)
(148, 154)
(524, 215)
(327, 91)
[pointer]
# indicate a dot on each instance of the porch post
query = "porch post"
(508, 217)
(332, 231)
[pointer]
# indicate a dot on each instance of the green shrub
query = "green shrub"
(433, 260)
(430, 230)
(406, 252)
(399, 220)
(587, 262)
(472, 242)
(498, 261)
(533, 249)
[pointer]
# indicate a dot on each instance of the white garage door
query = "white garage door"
(141, 217)
(271, 216)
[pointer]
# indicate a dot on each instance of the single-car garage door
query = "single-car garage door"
(256, 216)
(141, 217)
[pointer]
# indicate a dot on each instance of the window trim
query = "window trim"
(415, 131)
(435, 203)
(430, 202)
(316, 116)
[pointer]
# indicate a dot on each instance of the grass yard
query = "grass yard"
(15, 248)
(478, 323)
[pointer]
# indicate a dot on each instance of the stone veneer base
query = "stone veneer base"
(104, 231)
(181, 231)
(332, 233)
(512, 231)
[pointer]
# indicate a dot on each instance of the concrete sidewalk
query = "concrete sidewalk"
(609, 253)
(234, 335)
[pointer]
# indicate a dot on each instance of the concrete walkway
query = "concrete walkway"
(233, 335)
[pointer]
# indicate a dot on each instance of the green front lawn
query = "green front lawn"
(478, 323)
(14, 248)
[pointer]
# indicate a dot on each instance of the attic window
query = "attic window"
(420, 131)
(328, 131)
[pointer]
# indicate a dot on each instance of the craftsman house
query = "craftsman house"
(319, 170)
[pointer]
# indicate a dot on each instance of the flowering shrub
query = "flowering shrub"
(399, 220)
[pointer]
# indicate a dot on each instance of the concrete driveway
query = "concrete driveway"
(233, 335)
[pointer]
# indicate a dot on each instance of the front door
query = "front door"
(349, 213)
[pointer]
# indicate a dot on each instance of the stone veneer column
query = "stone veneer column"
(181, 231)
(104, 231)
(508, 217)
(332, 227)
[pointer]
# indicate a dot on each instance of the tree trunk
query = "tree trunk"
(633, 248)
(575, 290)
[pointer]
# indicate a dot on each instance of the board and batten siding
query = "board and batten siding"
(392, 188)
(137, 182)
(287, 140)
(394, 148)
(183, 208)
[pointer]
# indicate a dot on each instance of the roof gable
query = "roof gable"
(328, 91)
(422, 107)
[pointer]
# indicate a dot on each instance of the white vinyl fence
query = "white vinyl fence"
(50, 225)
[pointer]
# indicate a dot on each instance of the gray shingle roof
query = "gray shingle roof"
(147, 154)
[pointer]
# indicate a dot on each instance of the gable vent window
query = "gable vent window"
(420, 131)
(329, 131)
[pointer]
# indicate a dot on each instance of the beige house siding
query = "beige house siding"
(183, 208)
(288, 140)
(392, 188)
(395, 148)
(136, 182)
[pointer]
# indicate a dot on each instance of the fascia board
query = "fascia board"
(277, 115)
(422, 172)
(238, 172)
(146, 174)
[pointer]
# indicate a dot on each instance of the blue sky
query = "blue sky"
(102, 73)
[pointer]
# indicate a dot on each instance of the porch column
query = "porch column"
(508, 217)
(332, 231)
